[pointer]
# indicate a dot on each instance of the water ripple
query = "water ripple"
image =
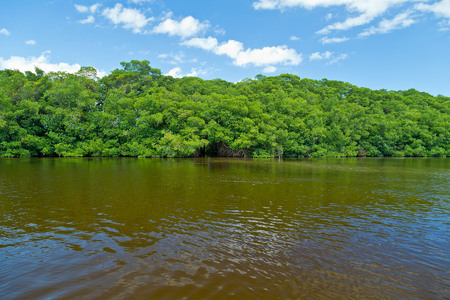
(282, 231)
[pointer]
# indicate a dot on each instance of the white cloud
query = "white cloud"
(30, 42)
(402, 20)
(208, 44)
(175, 58)
(294, 38)
(327, 55)
(441, 9)
(4, 32)
(195, 72)
(219, 31)
(368, 10)
(185, 28)
(85, 9)
(230, 48)
(93, 8)
(101, 73)
(351, 5)
(327, 40)
(269, 69)
(337, 59)
(320, 56)
(347, 24)
(267, 56)
(266, 4)
(129, 18)
(445, 25)
(176, 73)
(43, 62)
(81, 8)
(88, 20)
(139, 1)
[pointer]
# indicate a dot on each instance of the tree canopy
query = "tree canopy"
(135, 111)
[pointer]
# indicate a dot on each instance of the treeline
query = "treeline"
(136, 111)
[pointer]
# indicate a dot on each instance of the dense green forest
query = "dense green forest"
(136, 111)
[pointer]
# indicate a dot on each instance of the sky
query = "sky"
(379, 44)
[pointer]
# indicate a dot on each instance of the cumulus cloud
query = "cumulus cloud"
(4, 32)
(81, 8)
(368, 10)
(42, 62)
(269, 69)
(335, 40)
(400, 21)
(440, 9)
(185, 28)
(320, 56)
(294, 38)
(208, 44)
(24, 64)
(230, 48)
(267, 56)
(175, 58)
(328, 56)
(176, 73)
(267, 4)
(88, 20)
(86, 9)
(127, 17)
(30, 42)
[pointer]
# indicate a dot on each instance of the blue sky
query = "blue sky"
(390, 44)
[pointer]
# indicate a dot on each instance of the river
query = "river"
(216, 228)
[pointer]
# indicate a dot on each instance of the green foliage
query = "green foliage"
(135, 111)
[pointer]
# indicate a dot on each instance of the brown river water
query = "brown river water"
(216, 228)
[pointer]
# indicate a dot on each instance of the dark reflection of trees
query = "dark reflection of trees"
(129, 196)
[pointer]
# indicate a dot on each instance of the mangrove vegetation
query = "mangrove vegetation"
(135, 111)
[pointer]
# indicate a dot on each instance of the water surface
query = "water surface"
(224, 228)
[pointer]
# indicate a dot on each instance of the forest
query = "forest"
(137, 112)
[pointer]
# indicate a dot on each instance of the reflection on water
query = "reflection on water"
(218, 228)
